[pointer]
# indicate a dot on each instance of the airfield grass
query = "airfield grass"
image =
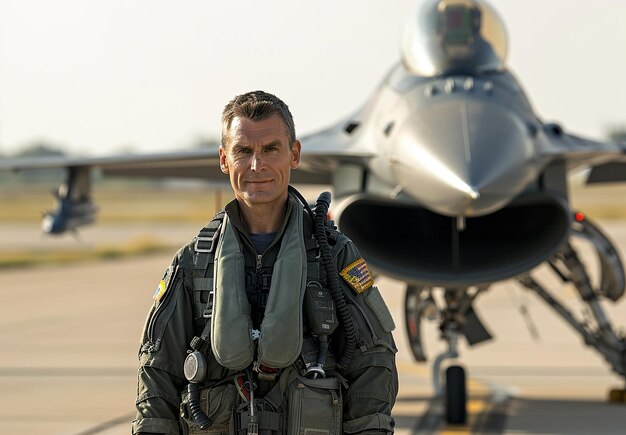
(27, 258)
(605, 202)
(118, 204)
(137, 203)
(121, 203)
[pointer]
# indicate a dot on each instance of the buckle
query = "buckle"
(211, 240)
(244, 388)
(208, 309)
(265, 373)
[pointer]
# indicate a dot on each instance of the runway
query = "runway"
(69, 338)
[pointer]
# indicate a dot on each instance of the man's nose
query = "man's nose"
(256, 164)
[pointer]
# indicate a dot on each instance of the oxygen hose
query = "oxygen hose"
(198, 415)
(194, 369)
(332, 275)
(322, 353)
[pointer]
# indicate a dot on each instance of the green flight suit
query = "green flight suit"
(176, 318)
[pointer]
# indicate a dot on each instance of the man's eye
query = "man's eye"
(242, 151)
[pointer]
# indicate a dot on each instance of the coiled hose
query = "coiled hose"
(332, 275)
(198, 415)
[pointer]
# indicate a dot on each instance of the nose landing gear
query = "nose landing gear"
(456, 316)
(456, 395)
(454, 390)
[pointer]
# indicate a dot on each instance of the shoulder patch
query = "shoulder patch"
(162, 287)
(358, 276)
(160, 291)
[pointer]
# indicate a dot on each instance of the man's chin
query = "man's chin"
(258, 197)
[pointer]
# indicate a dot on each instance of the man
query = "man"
(226, 348)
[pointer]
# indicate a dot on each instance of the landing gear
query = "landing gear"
(617, 395)
(454, 392)
(456, 395)
(418, 303)
(453, 308)
(595, 328)
(456, 316)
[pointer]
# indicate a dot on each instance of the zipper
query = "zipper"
(164, 307)
(259, 257)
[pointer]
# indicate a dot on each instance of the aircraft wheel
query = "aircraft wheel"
(617, 395)
(456, 395)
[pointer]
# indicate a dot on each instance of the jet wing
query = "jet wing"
(320, 157)
(185, 164)
(606, 160)
(324, 151)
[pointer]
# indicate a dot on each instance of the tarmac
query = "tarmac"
(69, 338)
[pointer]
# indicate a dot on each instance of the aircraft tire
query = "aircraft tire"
(617, 395)
(456, 395)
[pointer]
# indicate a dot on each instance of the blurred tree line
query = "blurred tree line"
(35, 150)
(618, 134)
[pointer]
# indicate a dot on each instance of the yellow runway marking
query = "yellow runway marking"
(479, 404)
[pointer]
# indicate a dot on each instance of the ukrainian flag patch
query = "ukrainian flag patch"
(358, 276)
(162, 287)
(160, 291)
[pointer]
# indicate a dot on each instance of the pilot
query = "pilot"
(268, 321)
(454, 37)
(459, 30)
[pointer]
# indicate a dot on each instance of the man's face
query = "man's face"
(258, 160)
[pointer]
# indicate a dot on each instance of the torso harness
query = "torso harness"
(323, 303)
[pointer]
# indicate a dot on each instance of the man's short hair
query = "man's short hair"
(257, 106)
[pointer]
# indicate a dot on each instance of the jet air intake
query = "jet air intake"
(411, 243)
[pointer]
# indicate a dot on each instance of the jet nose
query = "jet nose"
(464, 157)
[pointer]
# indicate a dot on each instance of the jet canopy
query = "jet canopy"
(454, 36)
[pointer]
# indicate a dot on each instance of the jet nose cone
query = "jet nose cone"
(463, 157)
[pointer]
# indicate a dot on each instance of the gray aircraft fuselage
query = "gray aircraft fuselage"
(455, 180)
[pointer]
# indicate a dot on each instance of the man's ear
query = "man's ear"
(295, 154)
(223, 160)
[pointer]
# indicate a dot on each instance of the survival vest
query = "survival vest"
(199, 272)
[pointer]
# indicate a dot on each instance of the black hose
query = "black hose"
(198, 415)
(332, 275)
(322, 353)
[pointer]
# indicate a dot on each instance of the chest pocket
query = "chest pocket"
(163, 308)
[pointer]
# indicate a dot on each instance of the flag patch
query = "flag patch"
(357, 275)
(162, 287)
(160, 291)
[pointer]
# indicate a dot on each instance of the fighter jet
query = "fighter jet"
(448, 149)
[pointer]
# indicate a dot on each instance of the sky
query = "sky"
(101, 76)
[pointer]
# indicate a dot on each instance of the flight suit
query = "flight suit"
(176, 317)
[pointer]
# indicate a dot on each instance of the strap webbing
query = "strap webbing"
(204, 256)
(204, 246)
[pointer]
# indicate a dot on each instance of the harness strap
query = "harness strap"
(204, 248)
(204, 251)
(266, 420)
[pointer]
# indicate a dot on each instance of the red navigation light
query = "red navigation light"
(579, 217)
